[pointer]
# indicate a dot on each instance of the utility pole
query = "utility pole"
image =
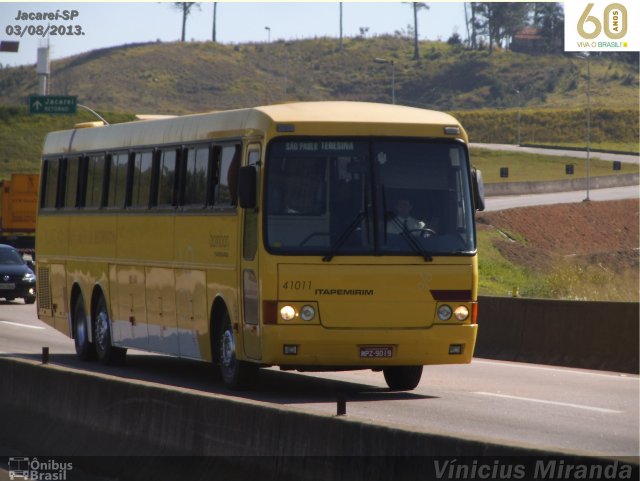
(519, 115)
(44, 70)
(393, 76)
(213, 34)
(588, 123)
(587, 57)
(340, 26)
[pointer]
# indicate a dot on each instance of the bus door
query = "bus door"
(249, 271)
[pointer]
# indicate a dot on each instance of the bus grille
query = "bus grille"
(44, 291)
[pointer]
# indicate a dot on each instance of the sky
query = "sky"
(119, 23)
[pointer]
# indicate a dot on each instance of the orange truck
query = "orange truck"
(18, 204)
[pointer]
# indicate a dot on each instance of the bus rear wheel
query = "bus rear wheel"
(402, 378)
(236, 374)
(85, 350)
(107, 352)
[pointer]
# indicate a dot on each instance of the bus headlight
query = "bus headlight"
(307, 313)
(444, 313)
(461, 313)
(287, 313)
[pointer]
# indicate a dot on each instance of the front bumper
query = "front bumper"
(20, 289)
(318, 346)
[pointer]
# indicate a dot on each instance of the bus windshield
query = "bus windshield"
(368, 197)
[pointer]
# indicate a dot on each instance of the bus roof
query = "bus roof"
(357, 112)
(236, 123)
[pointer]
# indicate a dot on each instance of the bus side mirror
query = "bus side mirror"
(478, 189)
(247, 187)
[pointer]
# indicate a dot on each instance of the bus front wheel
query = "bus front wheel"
(402, 378)
(235, 373)
(107, 352)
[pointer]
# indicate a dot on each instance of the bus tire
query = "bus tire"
(402, 378)
(107, 353)
(29, 300)
(85, 350)
(235, 374)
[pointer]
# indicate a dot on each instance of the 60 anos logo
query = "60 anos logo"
(613, 22)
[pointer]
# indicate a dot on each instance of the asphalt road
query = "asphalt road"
(559, 408)
(513, 201)
(631, 159)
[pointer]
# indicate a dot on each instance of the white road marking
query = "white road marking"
(21, 325)
(555, 403)
(566, 370)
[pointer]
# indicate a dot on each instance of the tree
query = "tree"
(473, 23)
(549, 19)
(454, 39)
(416, 46)
(501, 20)
(185, 8)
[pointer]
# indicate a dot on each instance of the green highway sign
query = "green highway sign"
(52, 104)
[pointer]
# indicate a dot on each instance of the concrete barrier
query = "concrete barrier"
(55, 411)
(590, 335)
(524, 188)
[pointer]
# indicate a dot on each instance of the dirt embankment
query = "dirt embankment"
(604, 234)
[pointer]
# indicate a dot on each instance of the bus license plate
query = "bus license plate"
(7, 285)
(375, 352)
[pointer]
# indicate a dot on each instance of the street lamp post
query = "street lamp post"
(393, 76)
(519, 116)
(586, 57)
(268, 29)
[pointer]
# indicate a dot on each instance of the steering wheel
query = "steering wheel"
(423, 232)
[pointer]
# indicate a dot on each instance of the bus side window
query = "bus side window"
(227, 187)
(167, 178)
(118, 180)
(195, 177)
(141, 185)
(50, 183)
(72, 177)
(94, 181)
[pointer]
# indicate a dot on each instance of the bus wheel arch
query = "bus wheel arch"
(101, 326)
(218, 311)
(235, 373)
(80, 326)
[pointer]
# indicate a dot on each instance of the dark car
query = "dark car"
(16, 278)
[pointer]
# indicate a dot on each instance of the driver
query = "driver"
(402, 219)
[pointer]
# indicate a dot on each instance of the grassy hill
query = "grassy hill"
(194, 77)
(478, 88)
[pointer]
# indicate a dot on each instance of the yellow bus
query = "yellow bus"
(310, 236)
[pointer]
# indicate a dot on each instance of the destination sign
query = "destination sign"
(324, 146)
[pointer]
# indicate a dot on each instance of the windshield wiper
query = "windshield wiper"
(345, 235)
(363, 214)
(417, 247)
